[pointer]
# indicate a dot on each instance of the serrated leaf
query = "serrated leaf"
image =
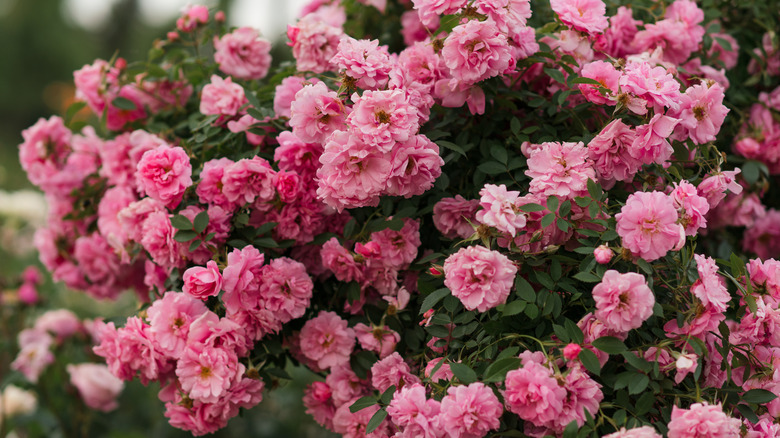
(496, 372)
(185, 236)
(645, 403)
(387, 396)
(492, 167)
(531, 207)
(266, 227)
(514, 308)
(594, 190)
(362, 403)
(194, 245)
(547, 220)
(636, 361)
(376, 420)
(555, 74)
(181, 223)
(587, 277)
(574, 332)
(451, 146)
(265, 242)
(748, 413)
(123, 103)
(433, 298)
(430, 257)
(590, 361)
(609, 344)
(758, 396)
(584, 80)
(524, 289)
(463, 372)
(201, 222)
(638, 384)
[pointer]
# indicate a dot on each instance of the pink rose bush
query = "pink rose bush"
(466, 218)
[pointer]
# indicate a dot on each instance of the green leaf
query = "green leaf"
(376, 420)
(201, 221)
(74, 108)
(638, 384)
(758, 396)
(751, 171)
(185, 236)
(195, 244)
(524, 289)
(594, 190)
(562, 225)
(555, 74)
(451, 146)
(463, 372)
(433, 298)
(362, 403)
(587, 277)
(645, 403)
(498, 152)
(387, 396)
(266, 227)
(181, 223)
(552, 203)
(609, 344)
(531, 207)
(547, 220)
(748, 413)
(636, 361)
(583, 80)
(123, 103)
(571, 430)
(514, 308)
(492, 167)
(574, 332)
(496, 372)
(430, 257)
(265, 242)
(590, 361)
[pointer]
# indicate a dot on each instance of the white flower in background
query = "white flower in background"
(17, 401)
(27, 205)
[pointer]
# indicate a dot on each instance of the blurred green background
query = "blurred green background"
(43, 45)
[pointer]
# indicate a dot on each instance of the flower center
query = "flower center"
(382, 117)
(699, 112)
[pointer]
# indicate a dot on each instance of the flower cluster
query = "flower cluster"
(453, 226)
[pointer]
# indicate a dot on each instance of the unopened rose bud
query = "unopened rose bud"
(571, 351)
(28, 294)
(603, 254)
(173, 36)
(120, 63)
(436, 271)
(220, 16)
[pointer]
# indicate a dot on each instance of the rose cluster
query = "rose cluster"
(498, 219)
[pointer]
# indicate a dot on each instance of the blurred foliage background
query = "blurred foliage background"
(43, 46)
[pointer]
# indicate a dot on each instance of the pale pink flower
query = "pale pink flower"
(293, 154)
(383, 118)
(45, 150)
(157, 238)
(314, 42)
(316, 112)
(610, 152)
(713, 187)
(475, 51)
(284, 93)
(648, 226)
(206, 373)
(132, 217)
(344, 385)
(249, 180)
(651, 144)
(34, 353)
(685, 364)
(702, 420)
(285, 289)
(453, 217)
(170, 318)
(397, 249)
(701, 113)
(444, 372)
(245, 124)
(607, 75)
(353, 425)
(654, 84)
(392, 371)
(202, 282)
(603, 254)
(243, 54)
(430, 10)
(470, 411)
(583, 396)
(584, 15)
(192, 17)
(479, 277)
(416, 166)
(241, 279)
(96, 385)
(623, 301)
(364, 61)
(222, 97)
(690, 206)
(131, 350)
(534, 394)
(353, 174)
(62, 323)
(415, 414)
(327, 340)
(637, 432)
(212, 331)
(499, 209)
(617, 38)
(763, 238)
(509, 15)
(560, 169)
(164, 174)
(340, 261)
(319, 404)
(97, 84)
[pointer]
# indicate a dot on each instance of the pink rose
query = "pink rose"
(164, 174)
(222, 97)
(480, 278)
(243, 54)
(96, 385)
(203, 282)
(623, 301)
